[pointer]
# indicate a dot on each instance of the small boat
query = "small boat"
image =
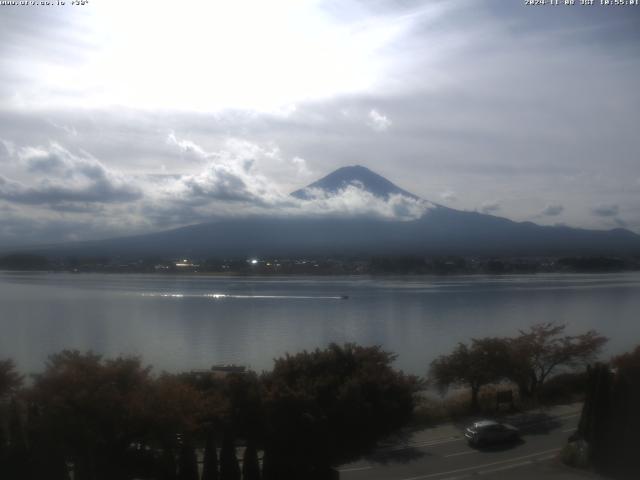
(344, 297)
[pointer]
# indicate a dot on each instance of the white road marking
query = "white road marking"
(466, 469)
(516, 465)
(506, 467)
(445, 440)
(420, 445)
(354, 469)
(570, 415)
(442, 441)
(466, 452)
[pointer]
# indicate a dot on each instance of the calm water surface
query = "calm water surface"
(185, 322)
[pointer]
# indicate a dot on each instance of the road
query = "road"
(443, 454)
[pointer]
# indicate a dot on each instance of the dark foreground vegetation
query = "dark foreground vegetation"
(381, 265)
(608, 439)
(113, 419)
(544, 366)
(528, 361)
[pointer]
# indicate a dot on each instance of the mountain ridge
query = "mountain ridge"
(439, 231)
(355, 175)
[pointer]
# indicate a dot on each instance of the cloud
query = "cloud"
(490, 207)
(378, 122)
(552, 210)
(460, 84)
(69, 130)
(353, 200)
(61, 176)
(20, 228)
(301, 166)
(449, 196)
(71, 188)
(7, 150)
(231, 184)
(620, 223)
(459, 81)
(228, 175)
(79, 207)
(187, 147)
(224, 182)
(610, 210)
(231, 181)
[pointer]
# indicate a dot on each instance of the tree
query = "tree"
(188, 462)
(229, 468)
(12, 446)
(46, 458)
(628, 361)
(167, 465)
(329, 406)
(4, 454)
(210, 467)
(250, 464)
(243, 393)
(10, 380)
(538, 352)
(610, 419)
(172, 407)
(18, 452)
(23, 261)
(476, 365)
(269, 469)
(93, 409)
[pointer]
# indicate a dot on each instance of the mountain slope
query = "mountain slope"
(440, 231)
(355, 175)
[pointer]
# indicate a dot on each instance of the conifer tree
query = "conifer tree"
(4, 451)
(229, 468)
(269, 471)
(210, 468)
(188, 462)
(167, 465)
(250, 464)
(18, 453)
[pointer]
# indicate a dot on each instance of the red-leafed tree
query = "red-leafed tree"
(480, 363)
(543, 349)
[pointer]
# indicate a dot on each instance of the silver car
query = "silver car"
(486, 432)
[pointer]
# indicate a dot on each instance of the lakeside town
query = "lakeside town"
(387, 265)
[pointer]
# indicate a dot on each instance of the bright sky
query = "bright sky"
(207, 56)
(121, 117)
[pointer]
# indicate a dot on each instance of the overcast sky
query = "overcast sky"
(121, 117)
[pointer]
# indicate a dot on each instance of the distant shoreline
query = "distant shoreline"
(319, 275)
(324, 266)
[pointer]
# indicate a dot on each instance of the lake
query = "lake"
(191, 322)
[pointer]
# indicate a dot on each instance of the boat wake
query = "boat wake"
(221, 296)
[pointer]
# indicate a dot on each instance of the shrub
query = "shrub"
(563, 388)
(575, 454)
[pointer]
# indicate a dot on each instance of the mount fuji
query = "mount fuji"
(438, 231)
(356, 175)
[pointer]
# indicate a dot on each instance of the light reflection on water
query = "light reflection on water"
(220, 296)
(183, 322)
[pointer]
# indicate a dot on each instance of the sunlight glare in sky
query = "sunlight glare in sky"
(210, 55)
